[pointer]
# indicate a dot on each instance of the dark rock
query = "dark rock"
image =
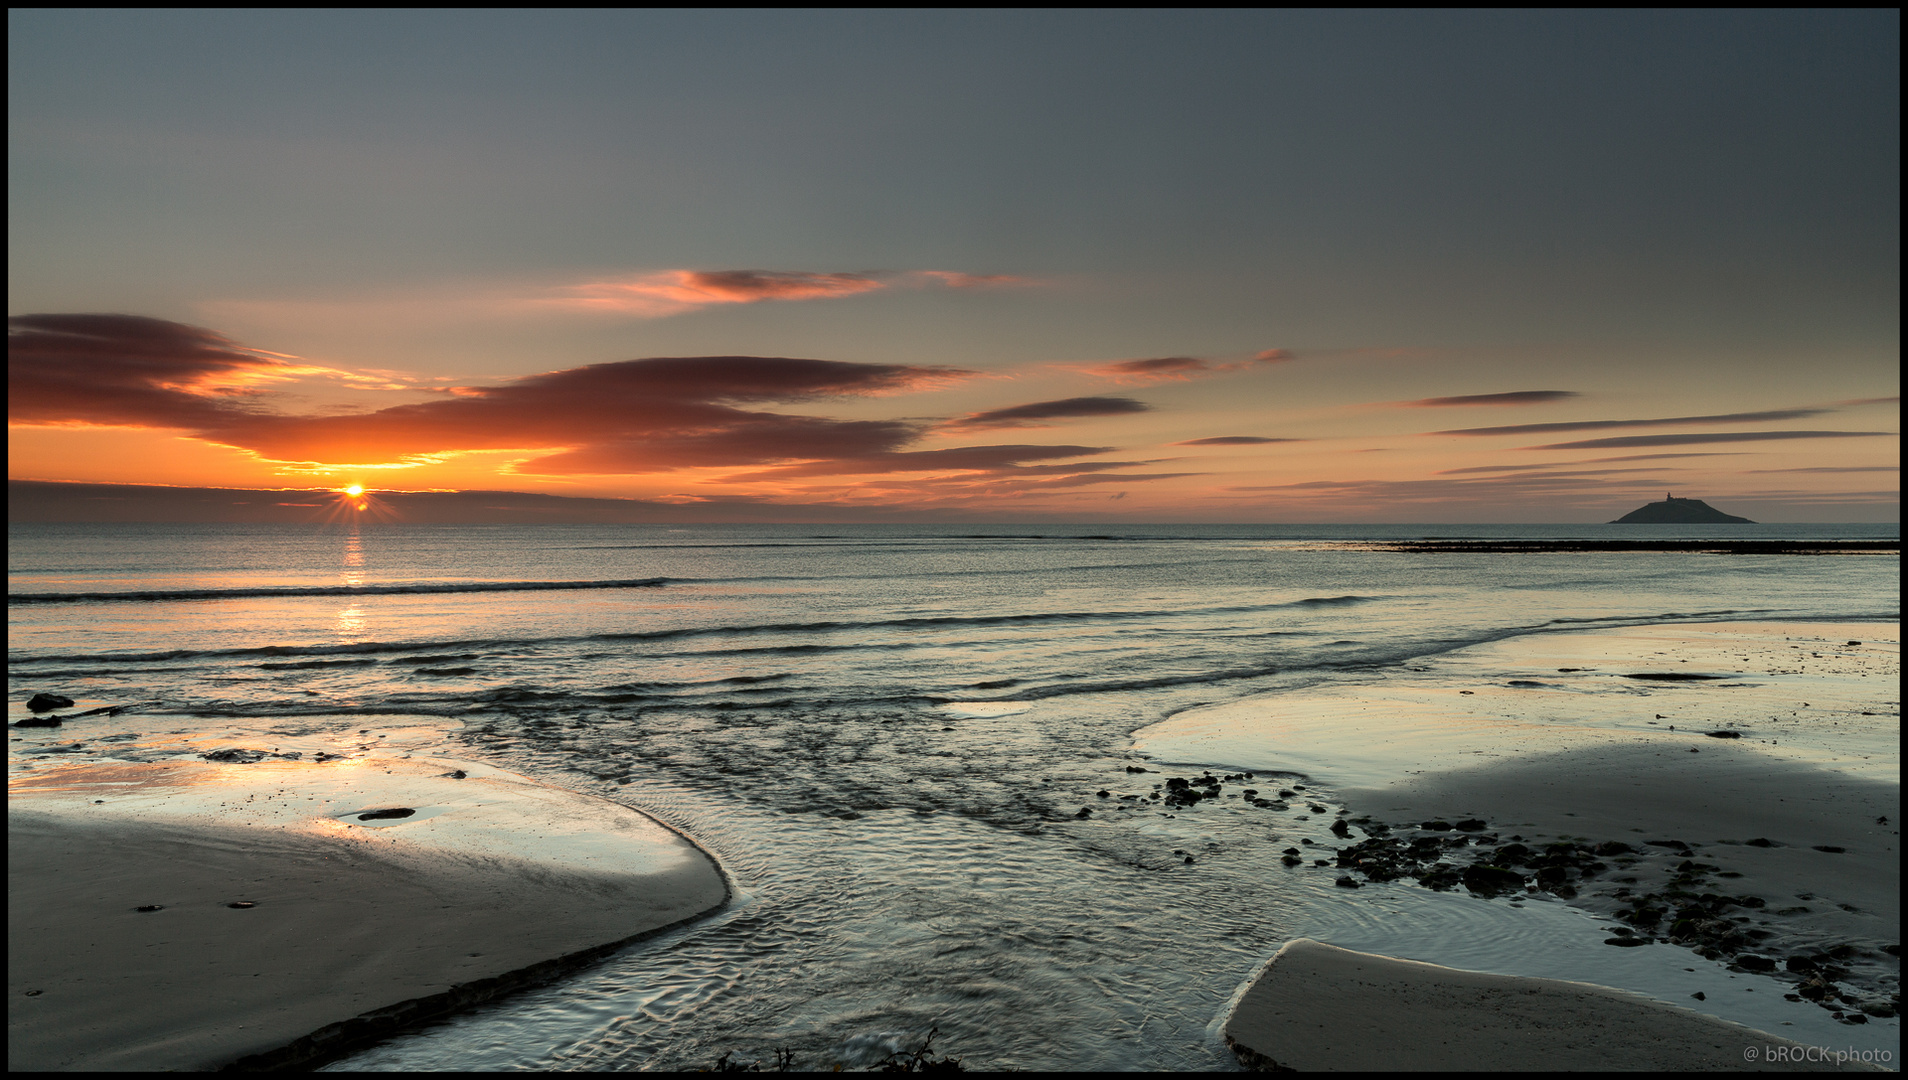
(1625, 942)
(1612, 847)
(1339, 828)
(1755, 963)
(150, 907)
(1761, 841)
(1831, 849)
(1084, 813)
(1291, 860)
(237, 756)
(393, 812)
(1134, 769)
(1348, 882)
(38, 721)
(1469, 825)
(1484, 878)
(241, 904)
(1436, 826)
(49, 702)
(1723, 734)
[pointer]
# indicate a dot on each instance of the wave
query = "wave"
(168, 595)
(924, 622)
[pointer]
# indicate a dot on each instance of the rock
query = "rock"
(150, 907)
(242, 904)
(1084, 813)
(1483, 878)
(1348, 882)
(1291, 860)
(1723, 734)
(1698, 995)
(1469, 825)
(49, 702)
(38, 721)
(1755, 963)
(1831, 849)
(1436, 826)
(1613, 847)
(236, 756)
(1103, 793)
(1761, 841)
(1339, 828)
(1625, 942)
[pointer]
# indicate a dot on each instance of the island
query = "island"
(1675, 511)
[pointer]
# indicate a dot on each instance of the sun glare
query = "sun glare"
(355, 490)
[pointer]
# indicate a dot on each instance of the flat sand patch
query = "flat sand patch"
(1320, 1008)
(489, 879)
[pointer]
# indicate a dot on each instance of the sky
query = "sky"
(1162, 266)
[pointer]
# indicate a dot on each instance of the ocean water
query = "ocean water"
(886, 735)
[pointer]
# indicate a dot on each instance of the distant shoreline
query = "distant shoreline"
(1710, 547)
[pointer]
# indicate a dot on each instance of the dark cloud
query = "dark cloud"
(1036, 414)
(1710, 437)
(1234, 440)
(629, 416)
(128, 370)
(1594, 425)
(988, 459)
(1515, 397)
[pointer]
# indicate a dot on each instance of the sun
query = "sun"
(355, 490)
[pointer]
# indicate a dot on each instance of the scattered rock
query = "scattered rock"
(393, 812)
(241, 904)
(38, 721)
(1487, 879)
(48, 702)
(1084, 813)
(1348, 882)
(1698, 995)
(236, 756)
(1723, 734)
(1755, 963)
(150, 907)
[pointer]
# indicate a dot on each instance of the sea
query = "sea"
(886, 735)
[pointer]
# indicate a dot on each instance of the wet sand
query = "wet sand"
(1556, 737)
(492, 882)
(1320, 1008)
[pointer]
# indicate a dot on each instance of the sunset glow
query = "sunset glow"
(891, 330)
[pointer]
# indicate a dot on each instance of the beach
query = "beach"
(932, 768)
(1773, 852)
(203, 915)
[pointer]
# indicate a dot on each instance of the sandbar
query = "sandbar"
(354, 926)
(1320, 1008)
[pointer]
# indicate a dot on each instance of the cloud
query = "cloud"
(131, 370)
(995, 460)
(1833, 469)
(1036, 414)
(1173, 368)
(1712, 437)
(1515, 397)
(1593, 425)
(672, 291)
(1234, 440)
(621, 417)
